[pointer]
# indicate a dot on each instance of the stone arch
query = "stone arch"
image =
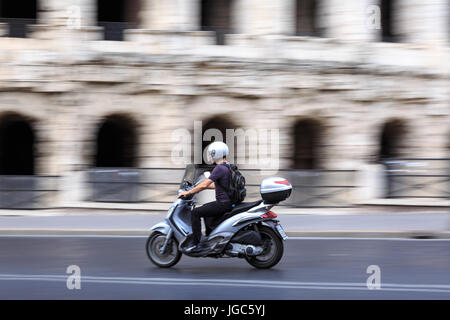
(116, 141)
(392, 139)
(117, 15)
(217, 16)
(17, 145)
(307, 137)
(307, 18)
(388, 32)
(18, 15)
(448, 144)
(221, 122)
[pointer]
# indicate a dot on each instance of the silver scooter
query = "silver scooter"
(250, 231)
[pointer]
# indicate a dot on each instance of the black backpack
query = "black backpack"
(236, 189)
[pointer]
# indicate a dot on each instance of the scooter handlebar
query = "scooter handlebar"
(186, 197)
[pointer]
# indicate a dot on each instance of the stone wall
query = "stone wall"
(168, 75)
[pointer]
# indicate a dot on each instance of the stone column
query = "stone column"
(88, 10)
(50, 19)
(3, 29)
(50, 12)
(350, 20)
(171, 15)
(66, 19)
(370, 182)
(423, 22)
(264, 17)
(57, 12)
(170, 25)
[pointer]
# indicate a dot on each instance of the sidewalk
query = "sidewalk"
(342, 222)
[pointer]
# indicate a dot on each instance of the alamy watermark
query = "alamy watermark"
(73, 14)
(374, 280)
(254, 147)
(74, 280)
(373, 21)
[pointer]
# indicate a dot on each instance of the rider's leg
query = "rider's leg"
(210, 209)
(209, 222)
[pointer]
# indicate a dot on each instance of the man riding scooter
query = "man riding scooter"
(234, 228)
(218, 180)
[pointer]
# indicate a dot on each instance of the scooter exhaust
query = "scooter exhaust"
(236, 249)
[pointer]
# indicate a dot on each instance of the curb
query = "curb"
(77, 232)
(371, 234)
(161, 208)
(300, 234)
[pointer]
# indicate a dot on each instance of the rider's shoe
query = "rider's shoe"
(191, 246)
(198, 248)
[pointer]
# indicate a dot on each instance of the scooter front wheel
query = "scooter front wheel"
(169, 258)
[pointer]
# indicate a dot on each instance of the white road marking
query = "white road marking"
(70, 236)
(362, 238)
(146, 236)
(234, 283)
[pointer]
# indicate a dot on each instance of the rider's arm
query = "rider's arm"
(202, 186)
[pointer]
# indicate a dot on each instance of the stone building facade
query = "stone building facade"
(346, 83)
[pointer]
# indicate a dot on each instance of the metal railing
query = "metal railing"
(133, 184)
(27, 192)
(17, 28)
(406, 178)
(114, 31)
(311, 188)
(220, 33)
(418, 178)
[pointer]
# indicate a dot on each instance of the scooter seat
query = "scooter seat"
(242, 207)
(213, 222)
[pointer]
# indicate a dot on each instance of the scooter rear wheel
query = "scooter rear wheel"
(163, 260)
(273, 250)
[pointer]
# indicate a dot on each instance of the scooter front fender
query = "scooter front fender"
(161, 227)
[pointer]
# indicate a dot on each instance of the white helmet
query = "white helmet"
(217, 151)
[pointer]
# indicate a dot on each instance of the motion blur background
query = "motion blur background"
(91, 92)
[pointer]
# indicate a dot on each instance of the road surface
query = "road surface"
(34, 267)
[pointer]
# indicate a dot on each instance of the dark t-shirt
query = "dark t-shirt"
(221, 176)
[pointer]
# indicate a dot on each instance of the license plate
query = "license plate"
(281, 231)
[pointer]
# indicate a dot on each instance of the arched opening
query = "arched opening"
(392, 139)
(392, 143)
(221, 123)
(306, 22)
(448, 144)
(307, 134)
(387, 21)
(116, 142)
(16, 146)
(217, 16)
(18, 14)
(115, 16)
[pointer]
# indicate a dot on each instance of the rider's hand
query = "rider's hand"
(184, 193)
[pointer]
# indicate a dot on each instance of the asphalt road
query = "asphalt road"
(34, 267)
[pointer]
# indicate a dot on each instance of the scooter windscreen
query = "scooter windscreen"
(194, 174)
